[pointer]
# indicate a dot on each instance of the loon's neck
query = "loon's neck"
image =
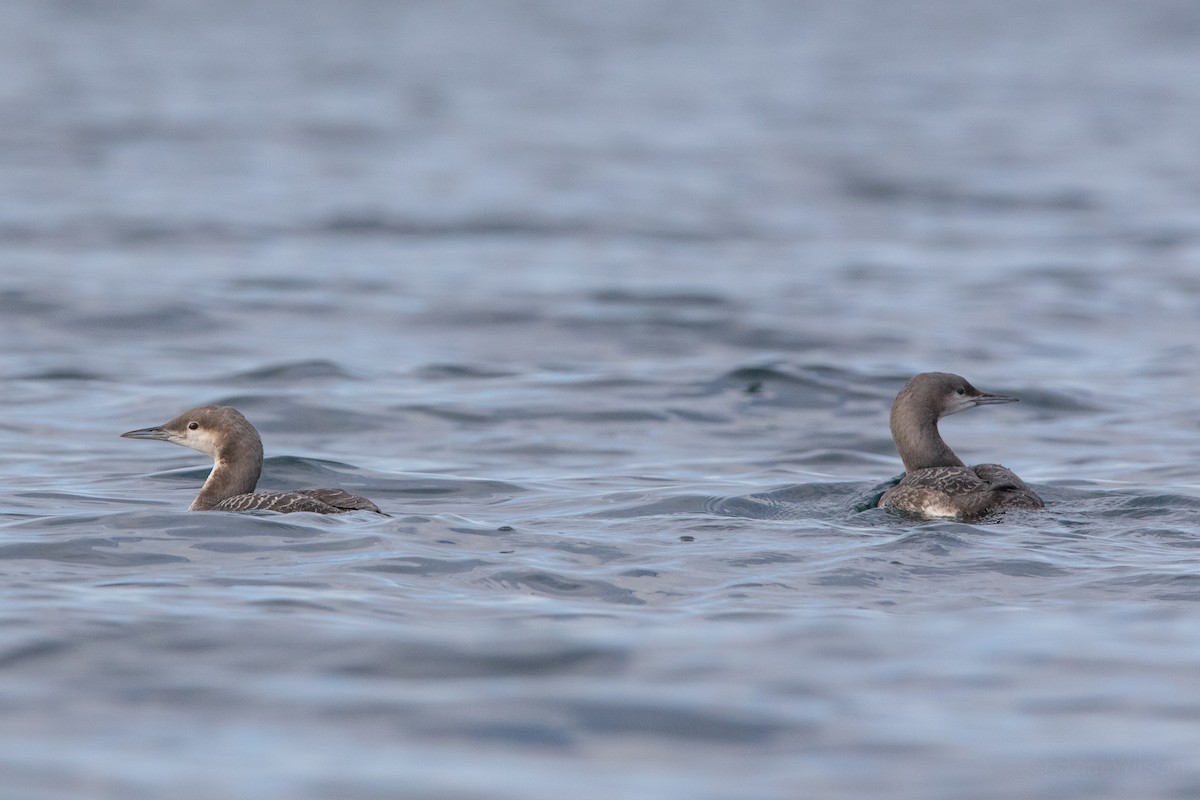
(236, 471)
(918, 441)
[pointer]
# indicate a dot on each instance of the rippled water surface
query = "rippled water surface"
(605, 305)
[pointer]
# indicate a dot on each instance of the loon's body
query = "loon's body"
(936, 482)
(236, 449)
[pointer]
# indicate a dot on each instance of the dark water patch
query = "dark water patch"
(465, 315)
(229, 547)
(531, 450)
(766, 558)
(161, 321)
(344, 133)
(607, 416)
(140, 584)
(440, 372)
(417, 660)
(371, 224)
(760, 376)
(1077, 279)
(295, 372)
(271, 583)
(17, 302)
(1020, 568)
(498, 532)
(657, 299)
(64, 374)
(551, 584)
(881, 189)
(103, 229)
(449, 413)
(20, 655)
(748, 589)
(686, 723)
(590, 382)
(699, 417)
(517, 734)
(141, 232)
(291, 604)
(278, 283)
(17, 234)
(746, 616)
(274, 286)
(420, 565)
(853, 578)
(500, 226)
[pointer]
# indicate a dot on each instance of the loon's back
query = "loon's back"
(960, 492)
(319, 501)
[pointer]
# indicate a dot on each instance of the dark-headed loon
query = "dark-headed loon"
(936, 483)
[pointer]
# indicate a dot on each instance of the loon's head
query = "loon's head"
(213, 430)
(940, 394)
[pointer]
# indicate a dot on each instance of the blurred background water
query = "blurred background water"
(606, 305)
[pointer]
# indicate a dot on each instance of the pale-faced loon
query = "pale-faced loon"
(236, 449)
(936, 483)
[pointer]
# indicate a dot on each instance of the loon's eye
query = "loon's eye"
(960, 390)
(193, 425)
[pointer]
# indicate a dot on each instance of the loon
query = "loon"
(936, 483)
(236, 448)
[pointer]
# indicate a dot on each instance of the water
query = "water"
(606, 306)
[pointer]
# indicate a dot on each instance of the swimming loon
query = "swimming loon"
(236, 448)
(936, 483)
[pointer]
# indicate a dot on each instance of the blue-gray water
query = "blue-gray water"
(605, 303)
